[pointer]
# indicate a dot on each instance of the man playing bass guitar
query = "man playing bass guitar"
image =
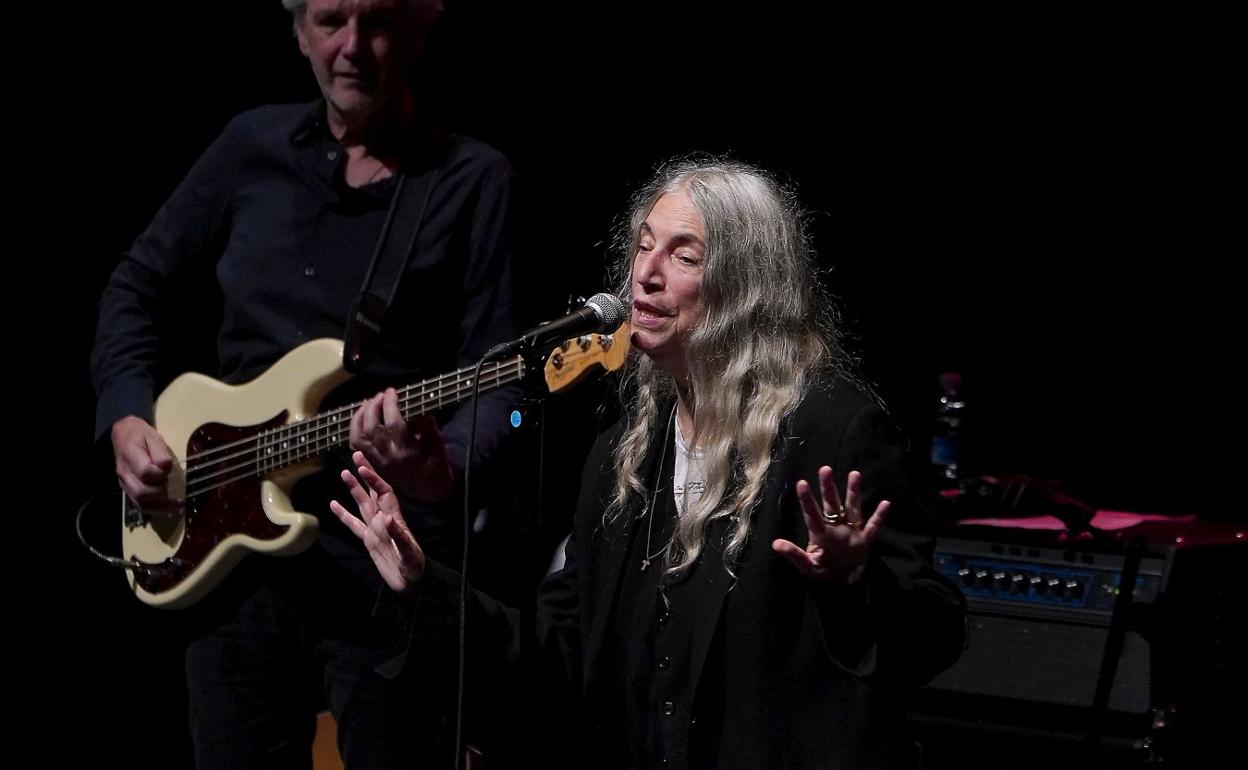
(277, 221)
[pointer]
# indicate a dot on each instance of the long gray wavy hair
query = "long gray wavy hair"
(767, 329)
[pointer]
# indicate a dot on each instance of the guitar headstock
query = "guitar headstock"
(576, 358)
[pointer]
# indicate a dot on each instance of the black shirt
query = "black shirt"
(266, 220)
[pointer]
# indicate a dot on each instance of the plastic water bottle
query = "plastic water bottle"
(947, 434)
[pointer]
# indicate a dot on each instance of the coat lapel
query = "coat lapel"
(610, 547)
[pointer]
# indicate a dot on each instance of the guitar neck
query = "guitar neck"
(309, 438)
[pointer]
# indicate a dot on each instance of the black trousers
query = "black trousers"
(287, 637)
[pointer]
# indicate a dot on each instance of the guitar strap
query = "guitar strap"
(396, 244)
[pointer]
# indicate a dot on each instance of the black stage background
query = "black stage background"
(1040, 201)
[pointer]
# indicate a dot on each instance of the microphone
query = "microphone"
(602, 313)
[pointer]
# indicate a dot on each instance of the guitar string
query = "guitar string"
(349, 408)
(424, 403)
(247, 441)
(253, 468)
(320, 423)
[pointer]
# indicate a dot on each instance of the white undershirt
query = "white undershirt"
(689, 475)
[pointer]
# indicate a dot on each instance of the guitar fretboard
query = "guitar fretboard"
(274, 449)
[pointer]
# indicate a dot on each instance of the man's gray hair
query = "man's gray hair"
(428, 10)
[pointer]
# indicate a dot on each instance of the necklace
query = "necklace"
(649, 557)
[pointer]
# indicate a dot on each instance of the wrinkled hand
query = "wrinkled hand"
(143, 462)
(380, 526)
(412, 455)
(840, 540)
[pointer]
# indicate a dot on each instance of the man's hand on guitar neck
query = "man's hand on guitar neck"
(143, 462)
(412, 456)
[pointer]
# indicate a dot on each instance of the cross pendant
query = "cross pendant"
(644, 564)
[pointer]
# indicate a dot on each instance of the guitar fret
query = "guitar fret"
(261, 465)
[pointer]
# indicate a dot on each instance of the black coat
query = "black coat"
(787, 672)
